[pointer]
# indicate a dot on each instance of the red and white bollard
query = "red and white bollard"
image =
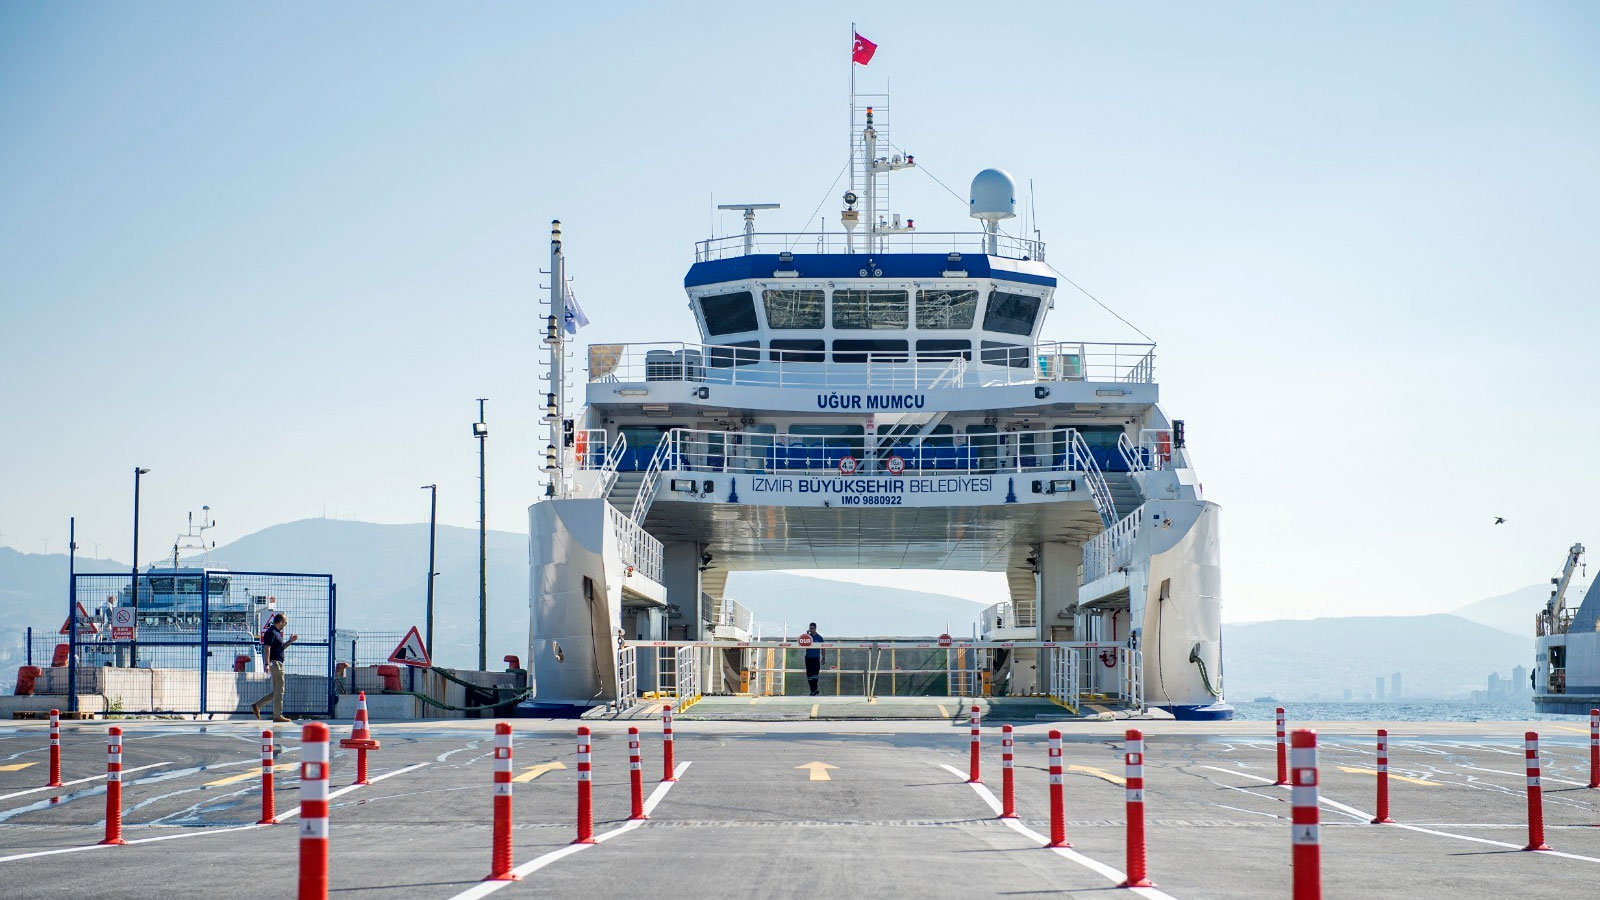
(55, 749)
(1008, 786)
(313, 811)
(114, 787)
(1382, 817)
(360, 739)
(585, 790)
(977, 746)
(666, 744)
(1133, 760)
(500, 863)
(1594, 748)
(1058, 803)
(269, 803)
(1283, 751)
(1305, 841)
(636, 775)
(1535, 795)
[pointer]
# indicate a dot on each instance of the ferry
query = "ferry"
(1566, 669)
(875, 397)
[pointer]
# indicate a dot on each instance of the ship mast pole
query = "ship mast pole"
(558, 380)
(849, 234)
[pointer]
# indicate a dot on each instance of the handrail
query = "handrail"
(802, 242)
(608, 469)
(1096, 482)
(640, 549)
(651, 480)
(1157, 447)
(753, 366)
(1130, 453)
(1112, 548)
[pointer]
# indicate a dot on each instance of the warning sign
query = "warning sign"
(944, 639)
(895, 465)
(848, 465)
(123, 624)
(805, 639)
(411, 652)
(85, 624)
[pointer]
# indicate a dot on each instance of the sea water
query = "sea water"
(1402, 711)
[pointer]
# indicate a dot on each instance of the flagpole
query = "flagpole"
(851, 131)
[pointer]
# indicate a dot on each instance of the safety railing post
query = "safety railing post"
(1382, 818)
(1008, 786)
(666, 744)
(1594, 748)
(55, 749)
(1304, 838)
(1283, 751)
(973, 776)
(313, 812)
(1133, 761)
(1535, 794)
(635, 775)
(114, 787)
(501, 853)
(269, 803)
(1058, 803)
(585, 790)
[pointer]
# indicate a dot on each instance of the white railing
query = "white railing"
(754, 453)
(1096, 482)
(736, 615)
(1111, 549)
(639, 548)
(651, 480)
(1061, 668)
(594, 450)
(721, 364)
(687, 687)
(627, 676)
(1156, 449)
(975, 242)
(1122, 666)
(995, 617)
(1130, 454)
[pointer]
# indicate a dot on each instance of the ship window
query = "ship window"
(854, 308)
(1010, 313)
(797, 351)
(729, 313)
(789, 308)
(995, 353)
(846, 438)
(880, 351)
(946, 309)
(943, 349)
(940, 436)
(739, 353)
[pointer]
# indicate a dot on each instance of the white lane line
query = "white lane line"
(283, 816)
(81, 781)
(485, 888)
(1523, 774)
(1110, 873)
(1356, 813)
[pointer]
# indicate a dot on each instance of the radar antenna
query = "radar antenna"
(749, 220)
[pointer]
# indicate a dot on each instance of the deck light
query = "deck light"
(704, 393)
(1177, 433)
(683, 485)
(1060, 486)
(1041, 392)
(549, 457)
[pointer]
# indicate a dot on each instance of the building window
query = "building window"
(797, 351)
(946, 309)
(789, 308)
(1010, 313)
(943, 349)
(729, 313)
(854, 308)
(994, 353)
(880, 351)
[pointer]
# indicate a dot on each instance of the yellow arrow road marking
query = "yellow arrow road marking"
(943, 713)
(535, 771)
(17, 767)
(1354, 771)
(1568, 728)
(818, 770)
(235, 779)
(1098, 773)
(814, 708)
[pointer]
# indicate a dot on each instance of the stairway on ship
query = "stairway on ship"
(1124, 492)
(625, 490)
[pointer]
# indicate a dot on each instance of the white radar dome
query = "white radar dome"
(994, 196)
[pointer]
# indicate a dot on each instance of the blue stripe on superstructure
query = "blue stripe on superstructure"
(849, 265)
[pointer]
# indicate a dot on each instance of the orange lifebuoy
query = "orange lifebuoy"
(582, 442)
(1164, 446)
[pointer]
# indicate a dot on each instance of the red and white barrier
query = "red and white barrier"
(585, 790)
(1535, 794)
(1008, 786)
(1382, 818)
(55, 749)
(1594, 748)
(114, 787)
(1133, 761)
(636, 775)
(666, 744)
(1305, 841)
(360, 739)
(1058, 803)
(269, 802)
(313, 811)
(500, 862)
(977, 747)
(1283, 751)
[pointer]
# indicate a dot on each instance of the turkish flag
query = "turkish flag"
(863, 50)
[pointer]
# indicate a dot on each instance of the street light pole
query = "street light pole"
(433, 523)
(133, 651)
(480, 429)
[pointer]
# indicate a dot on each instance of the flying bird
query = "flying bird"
(1499, 520)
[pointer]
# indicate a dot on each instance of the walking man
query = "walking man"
(813, 659)
(272, 646)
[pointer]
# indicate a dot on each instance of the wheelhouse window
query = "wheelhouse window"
(729, 313)
(793, 308)
(797, 351)
(995, 353)
(1011, 313)
(856, 308)
(946, 309)
(739, 353)
(870, 351)
(944, 349)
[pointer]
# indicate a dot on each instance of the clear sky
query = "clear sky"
(273, 251)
